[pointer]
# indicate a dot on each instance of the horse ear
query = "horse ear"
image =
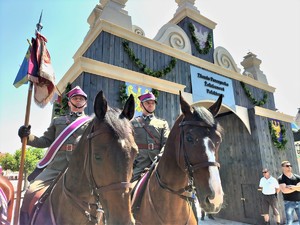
(100, 106)
(185, 107)
(129, 107)
(215, 108)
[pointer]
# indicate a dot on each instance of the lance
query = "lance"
(39, 27)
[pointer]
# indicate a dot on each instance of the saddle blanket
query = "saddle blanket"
(3, 208)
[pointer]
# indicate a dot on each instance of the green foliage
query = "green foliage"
(278, 144)
(8, 162)
(251, 98)
(144, 69)
(63, 107)
(32, 156)
(123, 95)
(208, 43)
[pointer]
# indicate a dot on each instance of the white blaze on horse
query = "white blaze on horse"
(189, 165)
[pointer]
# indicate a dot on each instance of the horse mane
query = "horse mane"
(203, 114)
(114, 119)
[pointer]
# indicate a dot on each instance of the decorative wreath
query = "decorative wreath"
(63, 107)
(251, 98)
(208, 43)
(143, 67)
(278, 144)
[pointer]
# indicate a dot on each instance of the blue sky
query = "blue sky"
(270, 29)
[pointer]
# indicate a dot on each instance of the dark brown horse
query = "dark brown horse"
(6, 200)
(188, 165)
(99, 173)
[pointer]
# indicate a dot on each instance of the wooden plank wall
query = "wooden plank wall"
(242, 155)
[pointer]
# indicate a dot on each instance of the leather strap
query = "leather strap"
(149, 146)
(64, 135)
(151, 135)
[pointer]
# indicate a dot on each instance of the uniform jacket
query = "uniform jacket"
(159, 129)
(58, 124)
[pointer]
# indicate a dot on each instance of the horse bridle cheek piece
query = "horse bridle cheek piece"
(188, 166)
(96, 191)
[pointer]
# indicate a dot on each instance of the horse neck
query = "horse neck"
(168, 167)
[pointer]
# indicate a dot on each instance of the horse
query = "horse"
(6, 200)
(187, 167)
(99, 172)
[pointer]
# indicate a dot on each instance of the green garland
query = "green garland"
(123, 95)
(61, 109)
(278, 144)
(143, 67)
(208, 43)
(252, 99)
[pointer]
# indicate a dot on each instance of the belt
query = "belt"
(67, 147)
(149, 146)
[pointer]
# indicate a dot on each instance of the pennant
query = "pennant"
(22, 76)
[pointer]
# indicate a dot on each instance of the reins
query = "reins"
(187, 193)
(96, 191)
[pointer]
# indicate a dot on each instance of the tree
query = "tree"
(32, 156)
(9, 162)
(12, 162)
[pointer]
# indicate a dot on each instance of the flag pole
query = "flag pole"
(39, 27)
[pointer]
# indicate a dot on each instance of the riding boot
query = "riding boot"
(210, 217)
(24, 218)
(202, 217)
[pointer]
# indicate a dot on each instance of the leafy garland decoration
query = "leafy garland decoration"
(143, 67)
(123, 95)
(63, 107)
(278, 144)
(208, 43)
(251, 98)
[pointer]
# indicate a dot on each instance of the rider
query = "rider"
(77, 102)
(151, 134)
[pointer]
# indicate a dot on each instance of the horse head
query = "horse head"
(200, 138)
(109, 149)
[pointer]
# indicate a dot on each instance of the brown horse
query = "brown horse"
(99, 173)
(188, 165)
(6, 200)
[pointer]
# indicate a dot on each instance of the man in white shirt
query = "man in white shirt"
(270, 187)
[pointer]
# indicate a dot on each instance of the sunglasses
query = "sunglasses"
(265, 171)
(288, 166)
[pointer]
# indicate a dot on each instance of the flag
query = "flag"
(22, 76)
(38, 69)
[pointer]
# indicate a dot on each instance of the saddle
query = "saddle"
(140, 187)
(39, 199)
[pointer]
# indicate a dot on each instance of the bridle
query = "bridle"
(187, 192)
(96, 191)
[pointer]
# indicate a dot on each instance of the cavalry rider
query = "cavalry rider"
(151, 134)
(61, 141)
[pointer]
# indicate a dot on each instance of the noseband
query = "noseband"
(189, 167)
(96, 190)
(187, 192)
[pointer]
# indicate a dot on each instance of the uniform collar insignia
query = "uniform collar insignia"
(78, 114)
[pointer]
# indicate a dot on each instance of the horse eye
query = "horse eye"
(189, 138)
(97, 156)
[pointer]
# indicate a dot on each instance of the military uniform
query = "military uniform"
(45, 178)
(150, 134)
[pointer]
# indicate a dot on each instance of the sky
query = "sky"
(268, 28)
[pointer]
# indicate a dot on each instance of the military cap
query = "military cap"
(76, 91)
